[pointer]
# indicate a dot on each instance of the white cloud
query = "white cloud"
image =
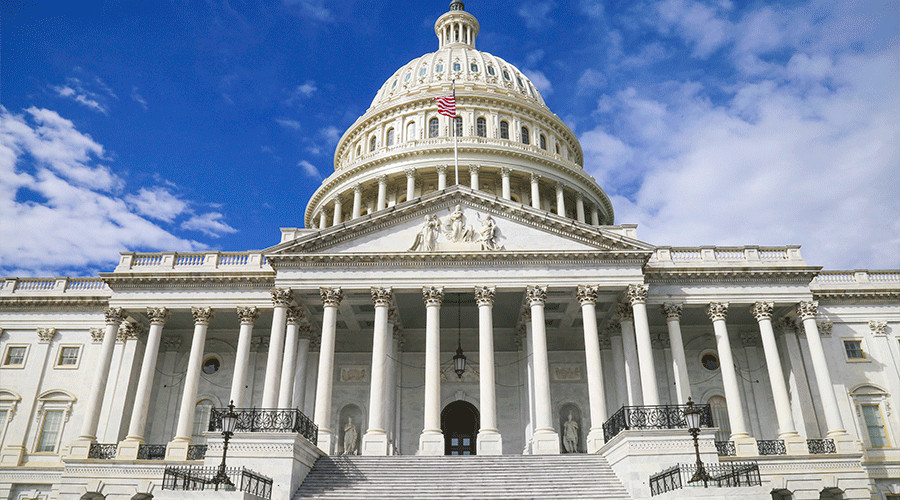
(210, 224)
(157, 203)
(55, 217)
(309, 169)
(540, 81)
(288, 123)
(138, 98)
(697, 23)
(313, 9)
(92, 94)
(590, 80)
(536, 14)
(69, 92)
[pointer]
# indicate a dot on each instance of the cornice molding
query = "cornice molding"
(518, 259)
(92, 303)
(263, 280)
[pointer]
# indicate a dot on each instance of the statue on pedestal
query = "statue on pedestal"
(351, 436)
(570, 435)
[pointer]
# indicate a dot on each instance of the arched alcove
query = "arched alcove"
(350, 429)
(571, 430)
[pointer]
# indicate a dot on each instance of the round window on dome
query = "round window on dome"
(211, 365)
(457, 66)
(506, 74)
(491, 70)
(474, 68)
(438, 68)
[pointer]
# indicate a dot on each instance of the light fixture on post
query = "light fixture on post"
(459, 360)
(692, 417)
(229, 423)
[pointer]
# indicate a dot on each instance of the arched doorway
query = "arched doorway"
(459, 422)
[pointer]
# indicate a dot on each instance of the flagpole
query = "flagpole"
(453, 127)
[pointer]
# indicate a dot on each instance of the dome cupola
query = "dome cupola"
(456, 28)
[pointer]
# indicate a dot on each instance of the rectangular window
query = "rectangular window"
(875, 426)
(15, 356)
(854, 349)
(68, 356)
(50, 431)
(4, 414)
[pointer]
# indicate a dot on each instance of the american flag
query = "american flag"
(447, 105)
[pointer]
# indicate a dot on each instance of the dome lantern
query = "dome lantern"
(456, 28)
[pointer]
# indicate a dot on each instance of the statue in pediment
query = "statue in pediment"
(427, 238)
(456, 229)
(488, 236)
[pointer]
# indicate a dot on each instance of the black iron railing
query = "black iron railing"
(268, 420)
(820, 446)
(152, 452)
(196, 452)
(102, 451)
(652, 417)
(722, 475)
(725, 448)
(201, 478)
(771, 447)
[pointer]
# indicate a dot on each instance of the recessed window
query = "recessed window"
(474, 68)
(504, 130)
(15, 356)
(875, 425)
(211, 365)
(68, 356)
(390, 137)
(457, 67)
(525, 136)
(519, 80)
(372, 143)
(423, 70)
(543, 141)
(433, 127)
(854, 350)
(491, 70)
(458, 126)
(481, 127)
(557, 148)
(411, 131)
(438, 68)
(710, 361)
(406, 78)
(506, 74)
(50, 427)
(394, 85)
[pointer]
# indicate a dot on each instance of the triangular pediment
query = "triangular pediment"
(459, 220)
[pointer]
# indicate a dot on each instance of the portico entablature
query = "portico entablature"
(780, 294)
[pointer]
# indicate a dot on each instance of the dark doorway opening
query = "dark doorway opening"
(459, 422)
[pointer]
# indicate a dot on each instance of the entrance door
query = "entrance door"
(459, 422)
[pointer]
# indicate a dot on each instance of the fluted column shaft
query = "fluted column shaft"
(762, 311)
(331, 299)
(323, 219)
(505, 190)
(595, 217)
(202, 317)
(535, 191)
(248, 316)
(114, 317)
(679, 363)
(735, 406)
(619, 367)
(587, 296)
(637, 295)
(158, 317)
(375, 439)
(281, 298)
(289, 363)
(807, 312)
(473, 176)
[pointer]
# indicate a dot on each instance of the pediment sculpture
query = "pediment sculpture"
(456, 234)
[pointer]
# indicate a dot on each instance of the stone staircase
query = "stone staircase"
(469, 477)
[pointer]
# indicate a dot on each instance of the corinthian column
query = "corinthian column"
(375, 440)
(744, 444)
(473, 176)
(303, 341)
(410, 183)
(289, 365)
(442, 177)
(178, 447)
(560, 200)
(128, 449)
(431, 442)
(357, 200)
(546, 439)
(587, 297)
(637, 295)
(535, 191)
(505, 190)
(331, 299)
(381, 202)
(625, 315)
(672, 313)
(81, 447)
(248, 317)
(281, 299)
(338, 212)
(489, 441)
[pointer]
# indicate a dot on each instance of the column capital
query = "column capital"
(559, 186)
(97, 335)
(505, 171)
(637, 294)
(295, 315)
(807, 310)
(45, 335)
(202, 315)
(825, 327)
(536, 294)
(672, 311)
(441, 169)
(158, 315)
(660, 341)
(786, 324)
(433, 295)
(357, 188)
(248, 315)
(613, 327)
(331, 296)
(587, 294)
(382, 296)
(382, 179)
(762, 310)
(281, 297)
(535, 178)
(878, 328)
(579, 195)
(114, 315)
(717, 311)
(128, 330)
(484, 295)
(473, 169)
(410, 173)
(624, 312)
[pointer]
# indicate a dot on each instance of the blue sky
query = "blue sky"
(182, 125)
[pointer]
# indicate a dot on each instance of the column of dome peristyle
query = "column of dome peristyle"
(128, 449)
(637, 295)
(81, 447)
(431, 442)
(794, 443)
(744, 444)
(375, 440)
(177, 448)
(587, 297)
(546, 439)
(489, 441)
(844, 443)
(331, 300)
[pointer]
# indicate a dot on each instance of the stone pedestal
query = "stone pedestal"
(545, 442)
(595, 440)
(326, 441)
(745, 445)
(844, 442)
(375, 443)
(489, 442)
(431, 444)
(177, 449)
(12, 455)
(128, 449)
(81, 447)
(794, 444)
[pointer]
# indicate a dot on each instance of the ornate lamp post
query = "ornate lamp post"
(692, 417)
(229, 423)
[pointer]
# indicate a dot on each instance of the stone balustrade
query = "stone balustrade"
(713, 255)
(53, 286)
(132, 262)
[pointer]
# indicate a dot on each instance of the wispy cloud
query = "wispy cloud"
(540, 81)
(299, 93)
(210, 224)
(309, 169)
(138, 98)
(92, 93)
(536, 14)
(311, 9)
(288, 123)
(157, 203)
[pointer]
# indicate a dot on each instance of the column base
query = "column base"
(431, 443)
(12, 455)
(794, 443)
(326, 441)
(489, 442)
(545, 442)
(844, 442)
(80, 448)
(177, 449)
(745, 445)
(375, 444)
(595, 440)
(128, 448)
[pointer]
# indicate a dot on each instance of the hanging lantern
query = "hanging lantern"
(459, 362)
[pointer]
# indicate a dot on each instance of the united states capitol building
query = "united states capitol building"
(491, 308)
